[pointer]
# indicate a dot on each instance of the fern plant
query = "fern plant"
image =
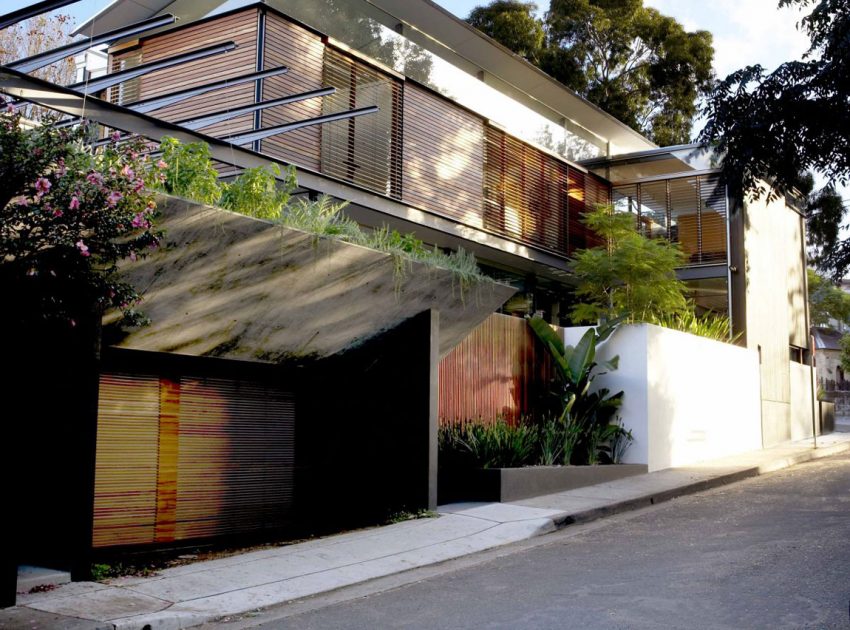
(189, 171)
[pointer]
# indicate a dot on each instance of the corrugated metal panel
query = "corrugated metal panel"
(443, 157)
(499, 370)
(191, 457)
(287, 44)
(365, 150)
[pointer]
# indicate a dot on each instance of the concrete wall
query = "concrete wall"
(687, 398)
(801, 401)
(772, 285)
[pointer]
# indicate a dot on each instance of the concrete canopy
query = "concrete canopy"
(230, 286)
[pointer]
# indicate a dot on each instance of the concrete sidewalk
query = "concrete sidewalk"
(192, 594)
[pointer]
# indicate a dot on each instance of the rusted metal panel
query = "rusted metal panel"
(499, 370)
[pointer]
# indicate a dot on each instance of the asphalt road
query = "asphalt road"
(771, 552)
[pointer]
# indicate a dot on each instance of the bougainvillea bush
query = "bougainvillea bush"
(69, 215)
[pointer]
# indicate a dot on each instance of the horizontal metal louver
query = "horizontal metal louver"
(191, 457)
(713, 213)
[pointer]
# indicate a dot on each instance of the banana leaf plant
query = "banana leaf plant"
(589, 416)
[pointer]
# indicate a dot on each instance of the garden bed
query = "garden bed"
(512, 484)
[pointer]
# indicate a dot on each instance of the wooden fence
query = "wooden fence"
(500, 369)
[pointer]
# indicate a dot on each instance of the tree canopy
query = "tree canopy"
(826, 301)
(774, 126)
(640, 66)
(630, 275)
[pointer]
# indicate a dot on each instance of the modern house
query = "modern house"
(470, 146)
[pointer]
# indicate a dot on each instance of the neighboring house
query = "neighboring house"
(471, 147)
(831, 376)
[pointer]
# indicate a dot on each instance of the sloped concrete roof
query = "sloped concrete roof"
(230, 286)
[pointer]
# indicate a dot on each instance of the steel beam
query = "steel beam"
(106, 81)
(210, 119)
(13, 17)
(260, 134)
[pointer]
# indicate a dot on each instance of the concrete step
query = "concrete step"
(34, 577)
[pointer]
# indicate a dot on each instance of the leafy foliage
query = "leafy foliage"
(844, 344)
(495, 445)
(189, 171)
(710, 325)
(265, 194)
(640, 66)
(588, 417)
(257, 192)
(512, 24)
(773, 126)
(826, 301)
(630, 275)
(68, 217)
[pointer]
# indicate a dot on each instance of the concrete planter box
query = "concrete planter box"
(511, 484)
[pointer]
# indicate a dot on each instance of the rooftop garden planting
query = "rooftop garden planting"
(267, 193)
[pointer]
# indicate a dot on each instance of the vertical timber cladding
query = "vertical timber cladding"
(188, 457)
(535, 198)
(240, 28)
(443, 156)
(499, 370)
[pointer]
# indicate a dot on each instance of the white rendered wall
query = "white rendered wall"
(687, 398)
(801, 401)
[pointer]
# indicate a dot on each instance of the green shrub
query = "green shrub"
(259, 192)
(494, 445)
(189, 171)
(710, 325)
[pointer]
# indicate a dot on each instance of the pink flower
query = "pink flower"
(94, 178)
(57, 212)
(10, 108)
(128, 172)
(161, 164)
(84, 250)
(116, 136)
(113, 198)
(133, 256)
(42, 186)
(62, 169)
(75, 203)
(139, 221)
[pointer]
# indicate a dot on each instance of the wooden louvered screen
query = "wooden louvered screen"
(365, 150)
(190, 457)
(287, 44)
(690, 211)
(443, 157)
(536, 199)
(126, 91)
(713, 219)
(240, 28)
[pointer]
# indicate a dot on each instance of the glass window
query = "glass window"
(369, 31)
(709, 295)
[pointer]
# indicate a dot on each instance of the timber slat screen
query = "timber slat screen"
(241, 28)
(690, 211)
(190, 457)
(535, 198)
(419, 147)
(499, 370)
